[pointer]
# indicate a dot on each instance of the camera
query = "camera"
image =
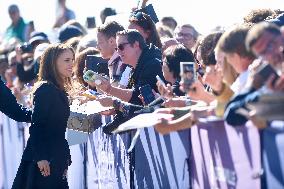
(26, 48)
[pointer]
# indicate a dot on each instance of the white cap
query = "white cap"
(40, 49)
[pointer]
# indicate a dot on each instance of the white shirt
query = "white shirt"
(240, 82)
(125, 76)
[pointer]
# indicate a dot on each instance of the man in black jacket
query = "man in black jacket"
(10, 107)
(145, 61)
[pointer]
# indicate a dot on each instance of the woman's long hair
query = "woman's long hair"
(144, 21)
(48, 71)
(80, 63)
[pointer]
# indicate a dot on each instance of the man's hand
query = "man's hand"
(278, 84)
(257, 121)
(106, 101)
(164, 111)
(163, 127)
(174, 102)
(108, 112)
(102, 84)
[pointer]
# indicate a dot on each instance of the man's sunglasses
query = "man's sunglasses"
(121, 46)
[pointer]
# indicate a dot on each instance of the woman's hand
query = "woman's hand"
(17, 93)
(198, 92)
(214, 77)
(44, 167)
(165, 91)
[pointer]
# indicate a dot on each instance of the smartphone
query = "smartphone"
(160, 80)
(147, 93)
(264, 72)
(91, 62)
(96, 64)
(91, 22)
(188, 74)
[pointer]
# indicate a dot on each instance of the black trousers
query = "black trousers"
(29, 177)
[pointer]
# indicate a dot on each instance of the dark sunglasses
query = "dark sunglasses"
(121, 46)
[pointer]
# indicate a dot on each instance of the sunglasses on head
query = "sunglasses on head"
(137, 16)
(140, 19)
(121, 46)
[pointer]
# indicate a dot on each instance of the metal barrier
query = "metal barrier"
(209, 155)
(224, 156)
(162, 161)
(273, 156)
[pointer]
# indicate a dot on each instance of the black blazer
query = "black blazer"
(49, 122)
(10, 107)
(148, 66)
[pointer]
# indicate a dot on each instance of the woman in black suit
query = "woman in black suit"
(47, 156)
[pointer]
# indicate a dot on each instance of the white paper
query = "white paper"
(90, 107)
(141, 121)
(210, 119)
(75, 137)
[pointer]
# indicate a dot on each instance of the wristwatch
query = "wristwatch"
(116, 104)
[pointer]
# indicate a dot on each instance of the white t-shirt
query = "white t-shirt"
(240, 82)
(125, 76)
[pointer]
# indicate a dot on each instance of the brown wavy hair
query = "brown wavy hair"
(144, 21)
(80, 63)
(48, 71)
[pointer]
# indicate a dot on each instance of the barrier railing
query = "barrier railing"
(209, 155)
(225, 157)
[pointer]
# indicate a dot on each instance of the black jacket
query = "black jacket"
(176, 89)
(47, 131)
(231, 114)
(10, 107)
(149, 65)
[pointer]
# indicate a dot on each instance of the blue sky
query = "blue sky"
(203, 14)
